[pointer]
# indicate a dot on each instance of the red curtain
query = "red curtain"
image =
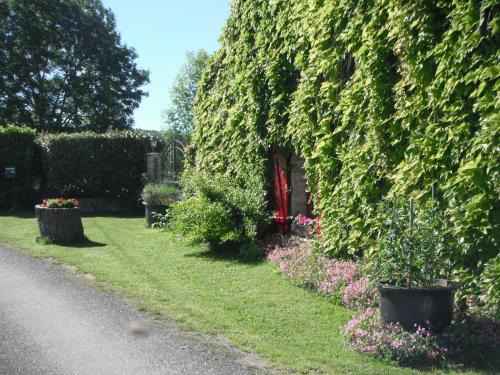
(280, 191)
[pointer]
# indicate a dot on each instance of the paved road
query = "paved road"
(54, 322)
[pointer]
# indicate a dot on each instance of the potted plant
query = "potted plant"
(59, 220)
(156, 198)
(303, 226)
(413, 263)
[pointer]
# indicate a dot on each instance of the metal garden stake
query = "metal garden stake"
(410, 269)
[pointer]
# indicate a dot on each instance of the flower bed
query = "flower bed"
(472, 339)
(342, 280)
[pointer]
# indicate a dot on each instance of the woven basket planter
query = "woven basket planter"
(60, 225)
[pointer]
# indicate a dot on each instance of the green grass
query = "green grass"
(250, 304)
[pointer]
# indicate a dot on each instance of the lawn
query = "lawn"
(251, 304)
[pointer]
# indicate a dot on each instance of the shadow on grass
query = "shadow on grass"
(227, 254)
(85, 244)
(122, 215)
(30, 214)
(483, 367)
(18, 214)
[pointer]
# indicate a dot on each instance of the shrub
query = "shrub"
(160, 194)
(17, 148)
(218, 210)
(202, 220)
(91, 165)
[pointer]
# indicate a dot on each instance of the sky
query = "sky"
(162, 32)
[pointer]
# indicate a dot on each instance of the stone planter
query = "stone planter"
(153, 208)
(420, 306)
(60, 225)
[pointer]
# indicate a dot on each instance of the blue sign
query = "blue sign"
(10, 172)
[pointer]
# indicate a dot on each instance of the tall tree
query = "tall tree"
(63, 67)
(179, 117)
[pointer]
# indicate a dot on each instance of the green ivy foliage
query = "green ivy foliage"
(383, 98)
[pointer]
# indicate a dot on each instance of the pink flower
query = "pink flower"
(303, 220)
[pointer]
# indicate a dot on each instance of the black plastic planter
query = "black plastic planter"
(417, 306)
(150, 209)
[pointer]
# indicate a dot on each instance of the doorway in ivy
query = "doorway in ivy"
(289, 189)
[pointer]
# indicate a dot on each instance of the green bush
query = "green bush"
(160, 194)
(17, 148)
(92, 165)
(218, 210)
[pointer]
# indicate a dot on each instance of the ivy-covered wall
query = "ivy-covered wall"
(381, 97)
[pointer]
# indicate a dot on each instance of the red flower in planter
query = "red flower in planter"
(60, 203)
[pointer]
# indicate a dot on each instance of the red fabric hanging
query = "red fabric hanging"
(280, 192)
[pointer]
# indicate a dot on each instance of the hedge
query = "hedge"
(91, 165)
(17, 149)
(382, 98)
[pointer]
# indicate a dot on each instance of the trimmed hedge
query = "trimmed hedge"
(382, 98)
(17, 145)
(91, 165)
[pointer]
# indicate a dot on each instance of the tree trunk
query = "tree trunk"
(60, 225)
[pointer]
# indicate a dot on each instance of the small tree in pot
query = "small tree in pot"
(413, 263)
(157, 197)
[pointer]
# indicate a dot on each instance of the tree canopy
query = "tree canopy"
(179, 117)
(63, 67)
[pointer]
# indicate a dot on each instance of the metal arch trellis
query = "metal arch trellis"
(172, 160)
